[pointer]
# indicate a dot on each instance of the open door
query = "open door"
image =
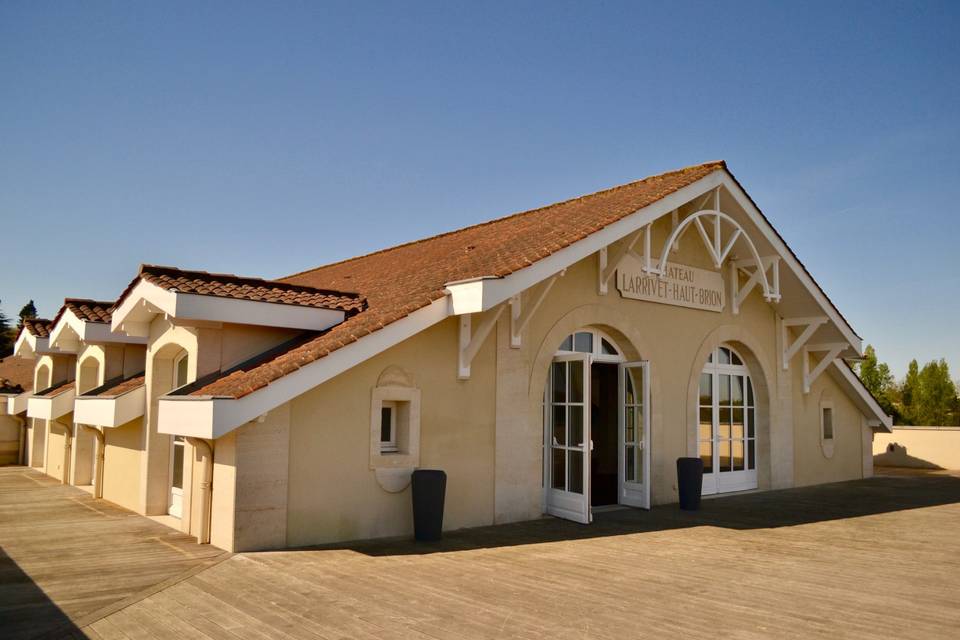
(567, 438)
(635, 434)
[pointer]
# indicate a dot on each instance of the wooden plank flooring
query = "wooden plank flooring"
(877, 558)
(65, 556)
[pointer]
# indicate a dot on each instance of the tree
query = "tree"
(6, 335)
(908, 393)
(937, 394)
(27, 312)
(876, 377)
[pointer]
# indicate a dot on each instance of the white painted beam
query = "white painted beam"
(470, 344)
(790, 349)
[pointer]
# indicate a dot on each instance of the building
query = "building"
(554, 361)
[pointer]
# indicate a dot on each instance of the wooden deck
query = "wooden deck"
(878, 558)
(65, 556)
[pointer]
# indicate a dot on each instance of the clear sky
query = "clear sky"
(263, 139)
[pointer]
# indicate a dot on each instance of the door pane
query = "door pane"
(724, 389)
(576, 381)
(736, 391)
(706, 389)
(706, 454)
(576, 426)
(630, 467)
(724, 446)
(559, 382)
(749, 393)
(750, 423)
(178, 464)
(706, 423)
(630, 424)
(723, 424)
(559, 425)
(751, 460)
(737, 455)
(738, 424)
(575, 480)
(559, 469)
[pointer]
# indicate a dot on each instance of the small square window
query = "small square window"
(827, 420)
(388, 428)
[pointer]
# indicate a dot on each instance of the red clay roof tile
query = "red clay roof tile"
(225, 285)
(403, 279)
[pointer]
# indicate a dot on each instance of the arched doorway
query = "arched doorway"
(727, 427)
(596, 428)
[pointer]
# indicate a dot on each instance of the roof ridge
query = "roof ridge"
(720, 164)
(153, 268)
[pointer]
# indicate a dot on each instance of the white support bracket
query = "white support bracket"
(470, 344)
(607, 265)
(520, 318)
(790, 349)
(739, 293)
(831, 350)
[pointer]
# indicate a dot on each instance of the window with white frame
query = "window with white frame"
(826, 422)
(592, 341)
(388, 427)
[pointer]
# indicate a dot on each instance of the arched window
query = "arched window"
(726, 432)
(594, 342)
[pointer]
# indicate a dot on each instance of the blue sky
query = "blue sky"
(264, 139)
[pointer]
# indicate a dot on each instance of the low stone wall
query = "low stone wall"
(918, 447)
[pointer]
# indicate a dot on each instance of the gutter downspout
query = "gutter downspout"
(67, 448)
(98, 472)
(206, 487)
(22, 454)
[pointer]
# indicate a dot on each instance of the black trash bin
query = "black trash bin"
(690, 482)
(429, 488)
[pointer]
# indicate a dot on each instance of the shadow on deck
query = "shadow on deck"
(755, 510)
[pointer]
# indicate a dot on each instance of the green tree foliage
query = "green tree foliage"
(937, 394)
(28, 311)
(926, 396)
(7, 335)
(908, 393)
(876, 377)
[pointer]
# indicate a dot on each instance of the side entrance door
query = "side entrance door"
(567, 439)
(635, 434)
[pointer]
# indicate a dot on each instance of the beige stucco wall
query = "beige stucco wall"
(121, 468)
(812, 464)
(334, 494)
(922, 447)
(9, 438)
(487, 431)
(209, 349)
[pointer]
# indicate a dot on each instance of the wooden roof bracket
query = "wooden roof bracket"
(470, 341)
(790, 349)
(832, 351)
(519, 317)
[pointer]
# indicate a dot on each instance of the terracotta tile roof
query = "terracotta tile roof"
(38, 327)
(116, 387)
(224, 285)
(86, 310)
(16, 375)
(403, 279)
(56, 389)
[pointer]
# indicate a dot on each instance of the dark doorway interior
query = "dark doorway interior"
(603, 425)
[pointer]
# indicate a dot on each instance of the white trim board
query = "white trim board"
(70, 331)
(147, 300)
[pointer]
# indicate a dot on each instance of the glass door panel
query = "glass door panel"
(635, 434)
(568, 438)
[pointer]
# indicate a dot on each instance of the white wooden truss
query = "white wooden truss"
(831, 351)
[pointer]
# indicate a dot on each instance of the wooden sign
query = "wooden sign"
(681, 285)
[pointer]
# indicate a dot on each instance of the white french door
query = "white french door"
(635, 434)
(176, 477)
(727, 424)
(567, 439)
